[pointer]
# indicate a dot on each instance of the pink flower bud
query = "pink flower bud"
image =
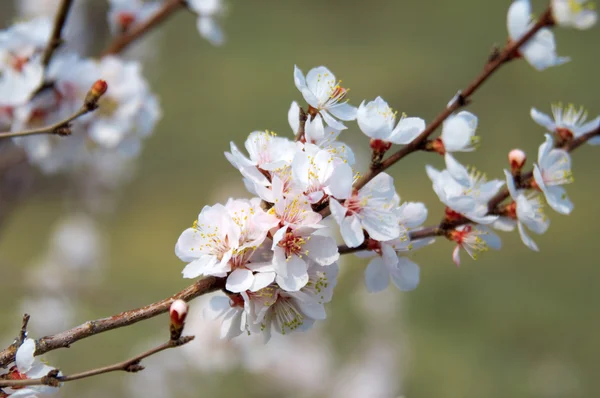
(178, 312)
(517, 159)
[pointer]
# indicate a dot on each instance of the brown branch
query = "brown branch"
(91, 328)
(131, 365)
(55, 39)
(60, 128)
(302, 116)
(427, 232)
(124, 40)
(509, 52)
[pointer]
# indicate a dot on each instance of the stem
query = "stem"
(124, 40)
(52, 129)
(130, 365)
(492, 65)
(55, 39)
(91, 328)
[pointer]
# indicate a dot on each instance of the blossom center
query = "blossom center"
(125, 19)
(353, 205)
(292, 244)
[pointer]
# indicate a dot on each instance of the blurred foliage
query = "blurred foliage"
(513, 324)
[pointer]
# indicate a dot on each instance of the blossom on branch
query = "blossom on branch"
(578, 14)
(540, 50)
(208, 11)
(125, 14)
(567, 123)
(553, 170)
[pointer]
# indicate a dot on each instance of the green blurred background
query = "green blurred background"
(513, 324)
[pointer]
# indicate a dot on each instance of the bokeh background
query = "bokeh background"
(513, 324)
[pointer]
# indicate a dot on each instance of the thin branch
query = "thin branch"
(302, 116)
(493, 64)
(422, 233)
(55, 39)
(131, 365)
(91, 328)
(124, 40)
(60, 128)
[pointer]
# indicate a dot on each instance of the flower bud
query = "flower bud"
(517, 159)
(93, 96)
(178, 312)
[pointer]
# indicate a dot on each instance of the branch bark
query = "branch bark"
(91, 328)
(124, 40)
(60, 128)
(56, 37)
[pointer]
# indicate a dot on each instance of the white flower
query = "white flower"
(317, 173)
(293, 249)
(21, 70)
(285, 312)
(378, 121)
(458, 133)
(124, 14)
(540, 50)
(208, 11)
(223, 241)
(527, 210)
(579, 14)
(369, 208)
(553, 170)
(474, 239)
(27, 367)
(568, 122)
(324, 94)
(268, 153)
(323, 137)
(464, 192)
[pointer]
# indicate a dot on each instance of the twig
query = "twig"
(60, 128)
(55, 39)
(508, 53)
(131, 365)
(302, 116)
(124, 40)
(414, 235)
(91, 328)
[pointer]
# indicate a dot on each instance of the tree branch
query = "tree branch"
(131, 365)
(60, 128)
(55, 39)
(124, 40)
(493, 64)
(91, 328)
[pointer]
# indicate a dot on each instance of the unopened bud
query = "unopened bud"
(517, 159)
(63, 131)
(98, 89)
(178, 312)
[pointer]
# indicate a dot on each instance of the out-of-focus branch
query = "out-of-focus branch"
(55, 38)
(61, 128)
(124, 40)
(91, 328)
(131, 365)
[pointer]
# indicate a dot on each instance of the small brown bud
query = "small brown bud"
(63, 131)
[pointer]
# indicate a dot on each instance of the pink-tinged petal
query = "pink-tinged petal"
(295, 275)
(510, 184)
(456, 255)
(526, 239)
(343, 111)
(412, 214)
(377, 277)
(388, 254)
(407, 130)
(314, 129)
(278, 235)
(322, 249)
(505, 224)
(543, 120)
(217, 306)
(352, 232)
(380, 225)
(24, 357)
(231, 325)
(239, 280)
(311, 309)
(405, 274)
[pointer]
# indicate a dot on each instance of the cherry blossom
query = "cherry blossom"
(458, 134)
(553, 170)
(578, 14)
(125, 14)
(539, 51)
(474, 239)
(567, 123)
(325, 95)
(208, 11)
